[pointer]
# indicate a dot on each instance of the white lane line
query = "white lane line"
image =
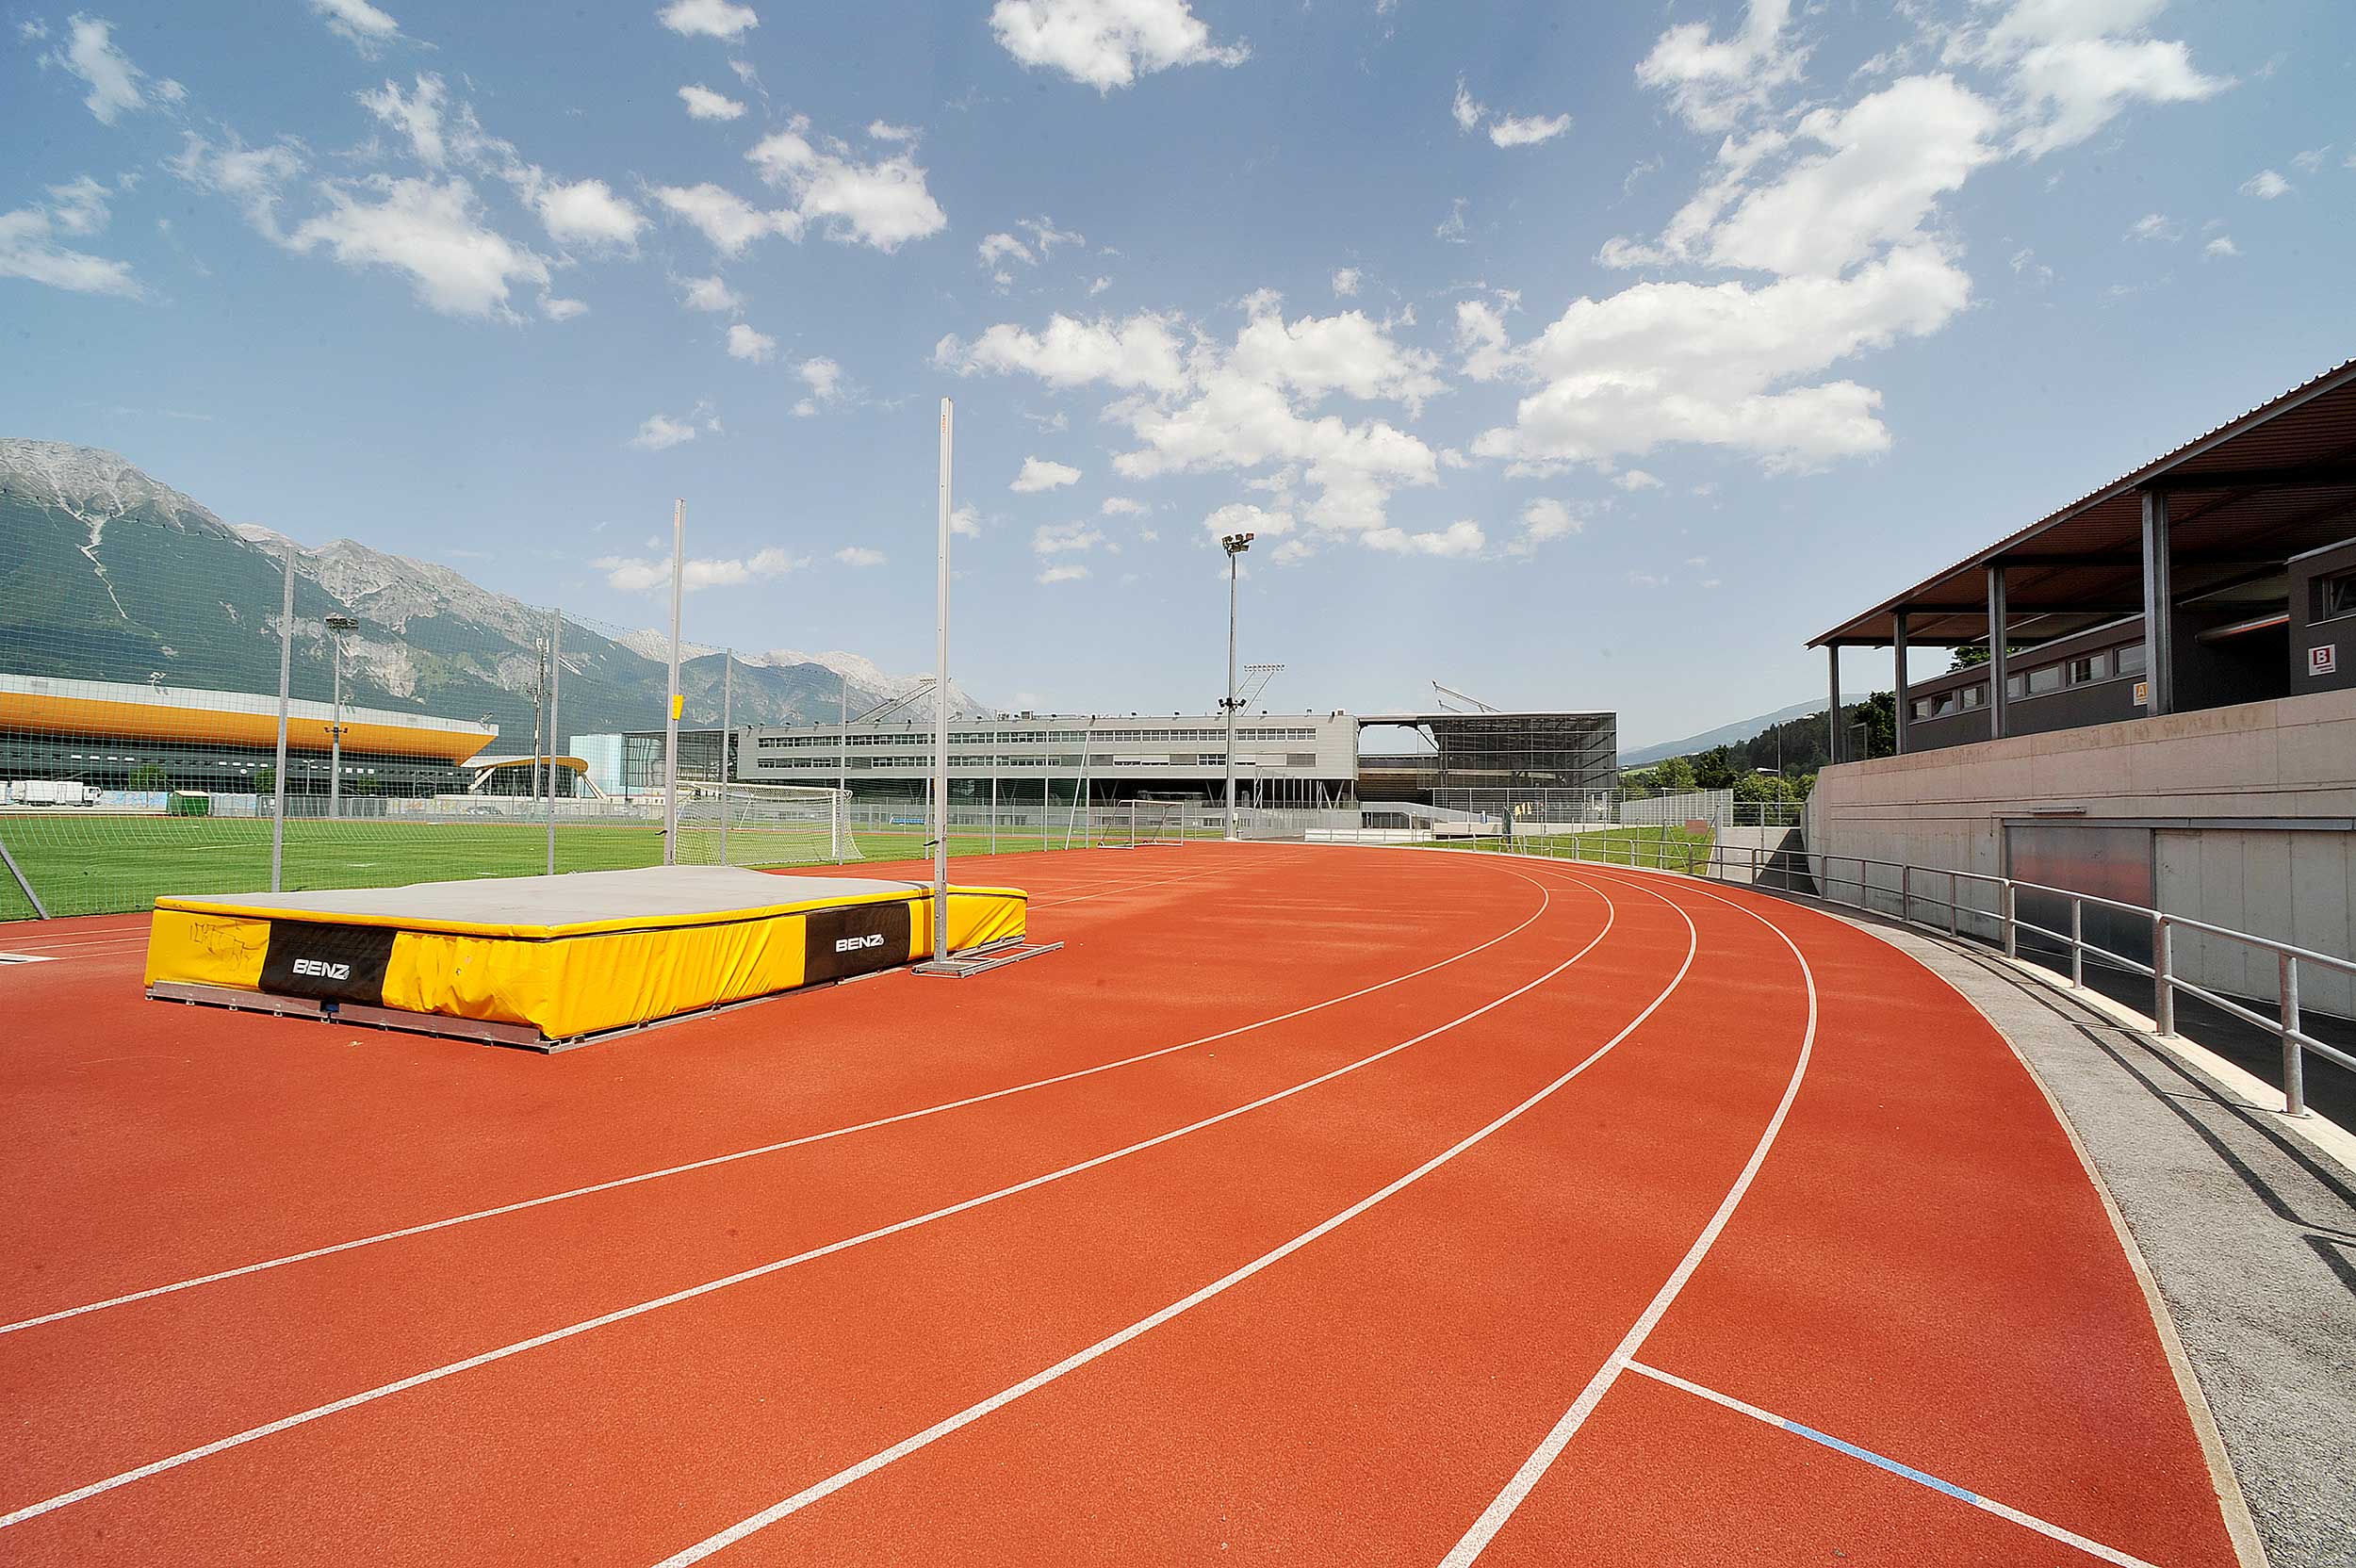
(1962, 1495)
(1546, 898)
(27, 958)
(934, 1433)
(1542, 1458)
(49, 1504)
(56, 946)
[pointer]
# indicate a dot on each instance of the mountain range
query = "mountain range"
(106, 574)
(1726, 734)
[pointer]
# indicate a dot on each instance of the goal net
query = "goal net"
(762, 825)
(1142, 823)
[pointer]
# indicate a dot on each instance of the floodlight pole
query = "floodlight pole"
(842, 771)
(671, 704)
(941, 702)
(1235, 545)
(727, 720)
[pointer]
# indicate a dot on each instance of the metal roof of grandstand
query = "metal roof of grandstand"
(2242, 499)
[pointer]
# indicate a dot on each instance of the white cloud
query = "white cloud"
(710, 293)
(2074, 67)
(724, 218)
(1715, 83)
(2310, 162)
(823, 378)
(884, 130)
(860, 555)
(2154, 226)
(253, 177)
(997, 247)
(704, 104)
(966, 522)
(719, 19)
(635, 575)
(1635, 480)
(588, 213)
(1252, 404)
(417, 115)
(1546, 520)
(661, 430)
(1451, 228)
(562, 310)
(1047, 236)
(2222, 246)
(1065, 538)
(90, 52)
(2265, 185)
(30, 246)
(432, 231)
(1099, 287)
(884, 204)
(1121, 506)
(1108, 43)
(357, 23)
(1717, 366)
(746, 343)
(1457, 539)
(1346, 281)
(1527, 130)
(1069, 572)
(1039, 474)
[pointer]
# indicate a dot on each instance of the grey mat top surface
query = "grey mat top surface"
(575, 898)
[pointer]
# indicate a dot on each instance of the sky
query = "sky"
(1583, 357)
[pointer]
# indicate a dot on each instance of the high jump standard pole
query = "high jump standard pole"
(940, 704)
(671, 703)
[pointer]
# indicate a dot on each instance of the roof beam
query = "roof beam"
(2133, 561)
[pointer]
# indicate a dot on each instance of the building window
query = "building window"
(2045, 679)
(2333, 597)
(1974, 696)
(2093, 668)
(2131, 659)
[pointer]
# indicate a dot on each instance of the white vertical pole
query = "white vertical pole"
(940, 704)
(727, 734)
(842, 768)
(336, 734)
(556, 685)
(671, 703)
(286, 678)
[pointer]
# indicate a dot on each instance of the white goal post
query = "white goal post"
(1140, 824)
(764, 824)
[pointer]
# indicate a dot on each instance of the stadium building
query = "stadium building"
(117, 736)
(1527, 763)
(2156, 701)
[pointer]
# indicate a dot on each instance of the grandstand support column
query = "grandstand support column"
(1902, 691)
(556, 685)
(1832, 710)
(1997, 649)
(671, 703)
(286, 678)
(2159, 603)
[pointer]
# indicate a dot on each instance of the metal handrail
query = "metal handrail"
(2288, 1026)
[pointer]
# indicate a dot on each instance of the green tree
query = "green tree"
(265, 781)
(147, 775)
(1716, 769)
(1674, 776)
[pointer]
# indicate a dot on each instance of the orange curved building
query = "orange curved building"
(121, 712)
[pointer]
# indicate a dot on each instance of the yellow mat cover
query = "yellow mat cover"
(568, 955)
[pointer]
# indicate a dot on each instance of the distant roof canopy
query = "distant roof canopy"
(2241, 500)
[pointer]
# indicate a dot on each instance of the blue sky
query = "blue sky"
(1574, 356)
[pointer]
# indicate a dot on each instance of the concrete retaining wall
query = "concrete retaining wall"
(2251, 808)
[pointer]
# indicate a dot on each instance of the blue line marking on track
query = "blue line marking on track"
(1908, 1471)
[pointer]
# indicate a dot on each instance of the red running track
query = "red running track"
(1312, 1205)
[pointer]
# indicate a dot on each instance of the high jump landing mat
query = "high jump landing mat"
(551, 961)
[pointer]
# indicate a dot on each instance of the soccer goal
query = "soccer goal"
(764, 824)
(1139, 823)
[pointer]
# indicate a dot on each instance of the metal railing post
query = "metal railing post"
(2012, 919)
(2077, 944)
(1906, 893)
(2294, 1060)
(2164, 976)
(1955, 906)
(1753, 865)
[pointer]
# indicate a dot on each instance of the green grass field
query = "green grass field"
(1669, 848)
(85, 864)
